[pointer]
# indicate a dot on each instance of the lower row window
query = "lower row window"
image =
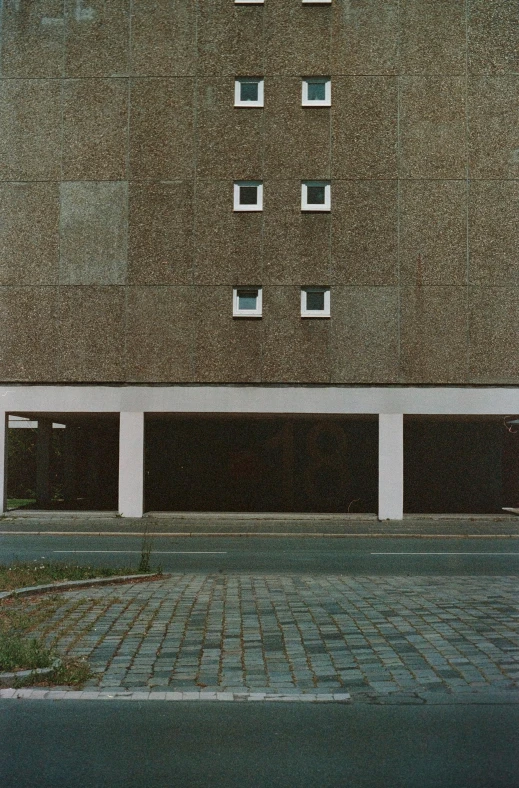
(248, 302)
(315, 196)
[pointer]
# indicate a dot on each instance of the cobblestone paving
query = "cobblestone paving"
(369, 636)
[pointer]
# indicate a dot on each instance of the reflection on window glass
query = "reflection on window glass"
(248, 195)
(247, 299)
(249, 91)
(315, 300)
(316, 91)
(315, 195)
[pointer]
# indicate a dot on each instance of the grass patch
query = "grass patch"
(19, 503)
(20, 573)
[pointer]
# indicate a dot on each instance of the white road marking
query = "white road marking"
(471, 553)
(154, 552)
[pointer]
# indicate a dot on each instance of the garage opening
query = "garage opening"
(63, 461)
(261, 464)
(460, 465)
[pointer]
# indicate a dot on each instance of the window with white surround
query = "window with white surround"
(248, 92)
(316, 2)
(248, 196)
(249, 2)
(317, 92)
(247, 301)
(315, 302)
(316, 196)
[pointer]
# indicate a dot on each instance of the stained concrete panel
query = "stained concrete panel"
(230, 38)
(493, 36)
(97, 38)
(28, 334)
(297, 39)
(364, 335)
(159, 334)
(433, 37)
(432, 127)
(93, 233)
(364, 119)
(433, 233)
(364, 37)
(161, 128)
(29, 233)
(91, 334)
(32, 39)
(433, 334)
(494, 232)
(95, 129)
(30, 120)
(494, 317)
(161, 233)
(163, 38)
(365, 233)
(493, 141)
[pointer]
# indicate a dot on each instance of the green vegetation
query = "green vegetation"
(19, 503)
(21, 574)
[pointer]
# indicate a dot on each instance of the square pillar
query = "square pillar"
(3, 462)
(131, 464)
(390, 466)
(43, 449)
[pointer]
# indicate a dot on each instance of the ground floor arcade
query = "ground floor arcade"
(133, 449)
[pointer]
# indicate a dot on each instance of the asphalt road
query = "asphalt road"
(93, 744)
(363, 556)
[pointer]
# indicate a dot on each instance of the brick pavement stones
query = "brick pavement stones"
(378, 639)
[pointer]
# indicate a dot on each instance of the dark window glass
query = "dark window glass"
(316, 91)
(315, 300)
(247, 299)
(248, 195)
(249, 91)
(315, 195)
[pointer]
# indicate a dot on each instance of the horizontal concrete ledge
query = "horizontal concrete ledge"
(47, 514)
(343, 517)
(240, 696)
(265, 534)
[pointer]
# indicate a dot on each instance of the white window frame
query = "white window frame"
(306, 206)
(237, 92)
(305, 312)
(316, 2)
(251, 2)
(237, 312)
(326, 102)
(258, 206)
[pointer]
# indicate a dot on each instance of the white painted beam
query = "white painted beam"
(391, 466)
(131, 464)
(3, 461)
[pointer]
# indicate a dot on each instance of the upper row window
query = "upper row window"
(261, 2)
(315, 92)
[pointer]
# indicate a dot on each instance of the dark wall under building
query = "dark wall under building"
(261, 465)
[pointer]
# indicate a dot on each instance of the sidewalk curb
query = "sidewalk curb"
(264, 534)
(73, 584)
(230, 697)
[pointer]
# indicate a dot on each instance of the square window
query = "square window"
(247, 301)
(248, 196)
(315, 302)
(248, 92)
(315, 196)
(249, 2)
(317, 92)
(316, 2)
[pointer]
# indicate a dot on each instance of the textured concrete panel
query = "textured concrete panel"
(95, 129)
(97, 38)
(297, 39)
(91, 333)
(433, 334)
(163, 38)
(230, 38)
(365, 233)
(494, 317)
(295, 349)
(492, 125)
(228, 245)
(433, 37)
(160, 233)
(161, 130)
(230, 139)
(297, 139)
(29, 233)
(364, 341)
(30, 119)
(365, 37)
(28, 333)
(432, 127)
(493, 36)
(494, 232)
(93, 230)
(364, 127)
(32, 39)
(226, 349)
(296, 244)
(433, 233)
(159, 334)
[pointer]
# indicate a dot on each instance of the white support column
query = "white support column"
(390, 466)
(3, 462)
(43, 449)
(131, 464)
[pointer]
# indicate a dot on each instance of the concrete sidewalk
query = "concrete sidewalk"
(205, 524)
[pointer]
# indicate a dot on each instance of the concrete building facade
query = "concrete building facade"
(123, 250)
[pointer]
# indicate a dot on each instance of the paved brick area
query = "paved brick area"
(412, 638)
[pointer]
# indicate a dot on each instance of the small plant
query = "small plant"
(146, 547)
(17, 653)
